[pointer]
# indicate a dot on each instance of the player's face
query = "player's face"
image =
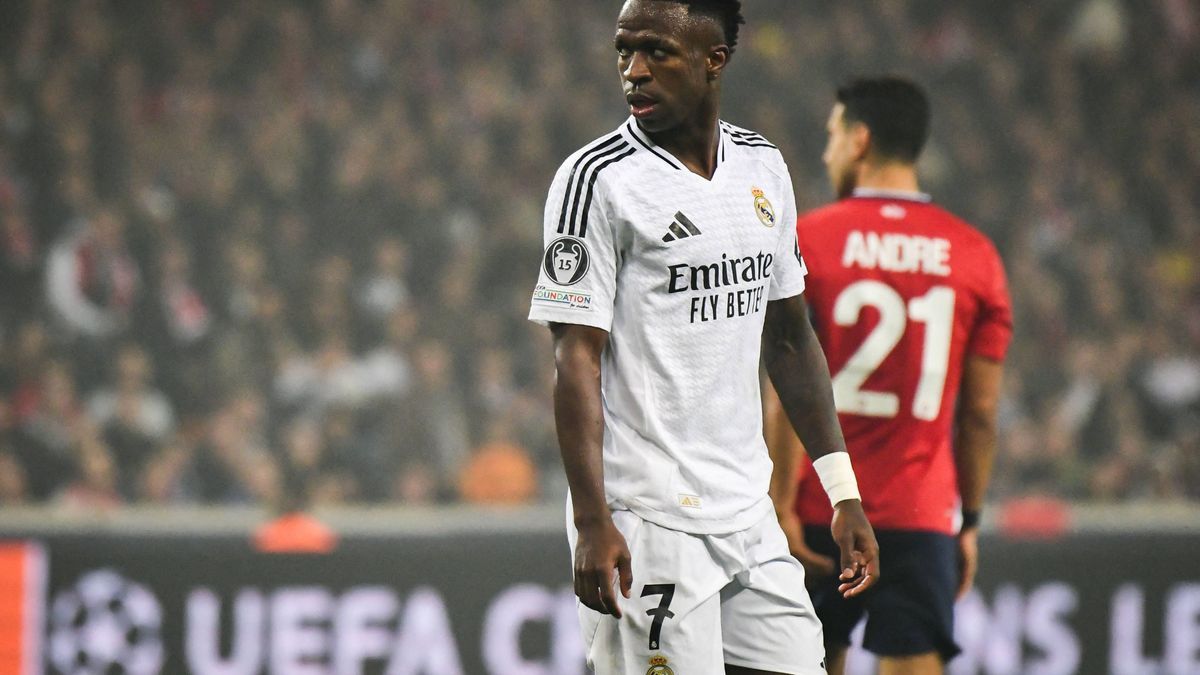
(668, 61)
(841, 153)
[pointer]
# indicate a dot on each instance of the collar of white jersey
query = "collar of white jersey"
(901, 195)
(640, 137)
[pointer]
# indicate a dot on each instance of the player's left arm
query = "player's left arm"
(974, 450)
(797, 367)
(978, 403)
(785, 450)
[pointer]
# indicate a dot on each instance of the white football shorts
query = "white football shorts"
(702, 601)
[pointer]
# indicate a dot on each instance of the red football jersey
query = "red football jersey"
(901, 292)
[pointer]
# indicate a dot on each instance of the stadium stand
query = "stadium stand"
(255, 248)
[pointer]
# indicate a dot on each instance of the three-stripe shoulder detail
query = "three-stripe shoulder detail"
(747, 139)
(587, 167)
(598, 147)
(587, 202)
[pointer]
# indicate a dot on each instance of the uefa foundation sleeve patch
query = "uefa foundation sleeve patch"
(557, 297)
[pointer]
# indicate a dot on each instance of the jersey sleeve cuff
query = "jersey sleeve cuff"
(546, 316)
(992, 352)
(783, 292)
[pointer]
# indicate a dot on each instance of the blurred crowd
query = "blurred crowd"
(281, 252)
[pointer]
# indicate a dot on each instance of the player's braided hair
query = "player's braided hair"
(727, 12)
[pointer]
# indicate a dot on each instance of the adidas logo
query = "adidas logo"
(681, 228)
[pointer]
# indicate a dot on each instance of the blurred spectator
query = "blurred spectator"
(23, 362)
(134, 418)
(14, 486)
(498, 474)
(50, 435)
(385, 291)
(387, 368)
(232, 462)
(250, 352)
(161, 480)
(182, 312)
(177, 325)
(415, 484)
(95, 487)
(1169, 382)
(91, 277)
(247, 281)
(311, 469)
(330, 376)
(130, 400)
(18, 254)
(431, 429)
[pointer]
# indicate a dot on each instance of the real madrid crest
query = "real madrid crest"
(763, 208)
(658, 666)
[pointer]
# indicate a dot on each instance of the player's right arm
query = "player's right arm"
(579, 419)
(574, 296)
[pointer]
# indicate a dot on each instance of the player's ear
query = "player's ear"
(716, 61)
(860, 140)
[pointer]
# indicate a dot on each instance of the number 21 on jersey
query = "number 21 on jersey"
(935, 309)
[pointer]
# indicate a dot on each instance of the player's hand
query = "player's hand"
(968, 560)
(600, 549)
(816, 566)
(860, 551)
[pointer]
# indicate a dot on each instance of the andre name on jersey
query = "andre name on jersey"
(897, 252)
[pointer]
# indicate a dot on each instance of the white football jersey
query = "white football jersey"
(678, 269)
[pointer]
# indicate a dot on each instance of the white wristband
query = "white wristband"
(837, 476)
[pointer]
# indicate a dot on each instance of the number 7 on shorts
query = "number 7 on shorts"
(660, 613)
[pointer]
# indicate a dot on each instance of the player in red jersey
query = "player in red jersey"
(911, 307)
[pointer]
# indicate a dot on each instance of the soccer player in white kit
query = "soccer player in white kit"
(670, 265)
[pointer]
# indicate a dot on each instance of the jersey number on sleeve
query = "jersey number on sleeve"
(935, 309)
